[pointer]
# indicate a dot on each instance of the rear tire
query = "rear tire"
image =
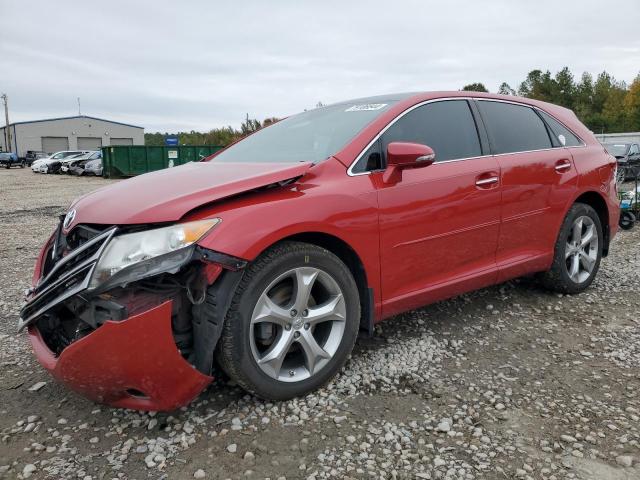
(292, 323)
(578, 251)
(627, 220)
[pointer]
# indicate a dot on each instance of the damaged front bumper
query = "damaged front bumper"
(132, 363)
(142, 344)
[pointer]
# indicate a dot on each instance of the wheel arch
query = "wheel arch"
(595, 201)
(354, 263)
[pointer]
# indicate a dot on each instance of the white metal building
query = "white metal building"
(69, 133)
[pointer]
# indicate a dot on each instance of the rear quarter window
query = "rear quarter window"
(565, 137)
(513, 128)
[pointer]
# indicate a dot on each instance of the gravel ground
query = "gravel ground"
(507, 382)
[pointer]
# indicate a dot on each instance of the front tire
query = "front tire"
(578, 251)
(292, 323)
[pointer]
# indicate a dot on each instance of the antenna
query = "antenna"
(79, 113)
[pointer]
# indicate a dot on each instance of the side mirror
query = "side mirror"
(402, 155)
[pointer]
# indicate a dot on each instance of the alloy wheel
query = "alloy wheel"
(581, 251)
(297, 324)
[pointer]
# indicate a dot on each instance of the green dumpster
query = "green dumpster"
(128, 161)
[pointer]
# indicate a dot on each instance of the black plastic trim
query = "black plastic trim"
(481, 128)
(368, 315)
(209, 317)
(227, 261)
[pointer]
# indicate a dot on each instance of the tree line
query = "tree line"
(217, 136)
(604, 105)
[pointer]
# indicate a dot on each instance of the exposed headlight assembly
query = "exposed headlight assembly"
(134, 256)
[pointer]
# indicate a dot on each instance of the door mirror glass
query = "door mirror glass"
(409, 155)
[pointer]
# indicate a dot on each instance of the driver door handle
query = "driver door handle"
(487, 180)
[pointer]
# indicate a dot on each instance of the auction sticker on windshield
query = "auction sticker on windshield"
(366, 107)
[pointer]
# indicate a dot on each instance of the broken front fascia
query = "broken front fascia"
(129, 364)
(107, 260)
(135, 347)
(63, 295)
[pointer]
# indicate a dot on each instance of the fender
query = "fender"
(253, 222)
(571, 200)
(591, 172)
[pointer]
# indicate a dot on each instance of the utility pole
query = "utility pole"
(7, 132)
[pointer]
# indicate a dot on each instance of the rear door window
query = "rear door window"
(446, 126)
(513, 128)
(565, 137)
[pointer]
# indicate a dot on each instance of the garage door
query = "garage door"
(122, 141)
(89, 143)
(55, 144)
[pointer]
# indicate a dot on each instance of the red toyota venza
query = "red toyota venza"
(268, 258)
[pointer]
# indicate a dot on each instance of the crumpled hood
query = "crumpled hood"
(167, 195)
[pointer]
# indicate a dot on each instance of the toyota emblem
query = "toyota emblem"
(69, 218)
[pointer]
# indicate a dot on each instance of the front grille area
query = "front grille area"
(56, 293)
(66, 275)
(65, 245)
(71, 261)
(81, 234)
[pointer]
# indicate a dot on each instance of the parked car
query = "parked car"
(8, 160)
(33, 155)
(628, 157)
(52, 164)
(69, 163)
(37, 164)
(91, 167)
(269, 257)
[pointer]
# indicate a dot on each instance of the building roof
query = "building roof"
(71, 118)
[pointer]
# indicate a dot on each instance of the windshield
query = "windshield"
(310, 136)
(617, 149)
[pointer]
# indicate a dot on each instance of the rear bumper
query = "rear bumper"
(132, 363)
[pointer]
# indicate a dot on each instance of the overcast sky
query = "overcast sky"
(204, 64)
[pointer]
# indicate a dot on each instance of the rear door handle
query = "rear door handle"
(487, 180)
(563, 165)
